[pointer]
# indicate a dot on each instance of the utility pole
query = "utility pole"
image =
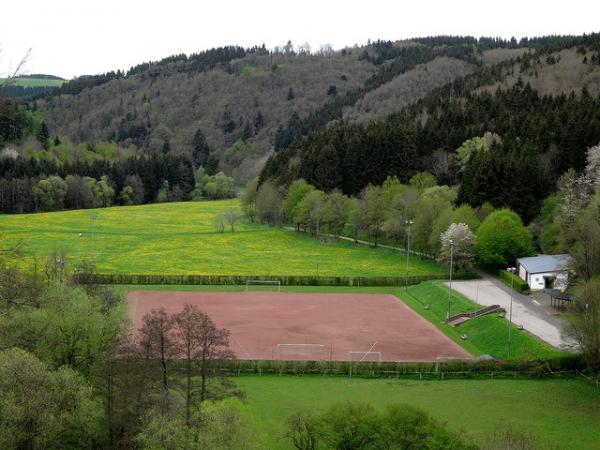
(450, 284)
(408, 223)
(512, 271)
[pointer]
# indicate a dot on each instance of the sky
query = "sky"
(79, 37)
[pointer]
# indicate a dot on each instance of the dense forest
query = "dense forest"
(267, 98)
(541, 138)
(537, 138)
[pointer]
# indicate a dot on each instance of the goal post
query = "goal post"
(300, 352)
(275, 283)
(357, 356)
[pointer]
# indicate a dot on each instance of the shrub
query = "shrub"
(520, 285)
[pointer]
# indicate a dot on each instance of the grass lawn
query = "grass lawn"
(485, 335)
(560, 414)
(179, 238)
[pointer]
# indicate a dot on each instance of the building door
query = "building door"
(549, 281)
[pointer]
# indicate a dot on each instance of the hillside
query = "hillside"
(250, 98)
(266, 98)
(543, 107)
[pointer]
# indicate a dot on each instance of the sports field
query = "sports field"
(560, 414)
(179, 238)
(485, 335)
(310, 326)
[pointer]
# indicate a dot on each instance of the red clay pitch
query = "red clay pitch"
(339, 323)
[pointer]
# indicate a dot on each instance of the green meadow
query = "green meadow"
(559, 414)
(35, 82)
(179, 238)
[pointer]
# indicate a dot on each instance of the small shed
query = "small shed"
(545, 271)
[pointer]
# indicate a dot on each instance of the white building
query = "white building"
(545, 271)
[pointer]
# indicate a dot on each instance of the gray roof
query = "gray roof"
(545, 263)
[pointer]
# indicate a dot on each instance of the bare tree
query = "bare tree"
(13, 74)
(156, 340)
(584, 327)
(187, 333)
(231, 216)
(213, 349)
(219, 223)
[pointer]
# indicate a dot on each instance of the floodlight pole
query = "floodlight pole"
(450, 284)
(408, 224)
(512, 271)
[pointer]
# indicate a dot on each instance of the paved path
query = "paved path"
(526, 311)
(370, 244)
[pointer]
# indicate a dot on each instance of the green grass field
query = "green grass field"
(179, 238)
(35, 82)
(560, 414)
(485, 335)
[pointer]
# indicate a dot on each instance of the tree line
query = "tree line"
(421, 211)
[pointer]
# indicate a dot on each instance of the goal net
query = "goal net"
(300, 352)
(261, 284)
(364, 356)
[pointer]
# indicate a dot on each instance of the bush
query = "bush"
(501, 239)
(520, 285)
(413, 279)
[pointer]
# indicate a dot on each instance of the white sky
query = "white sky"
(77, 37)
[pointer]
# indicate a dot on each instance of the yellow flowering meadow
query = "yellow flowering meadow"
(179, 238)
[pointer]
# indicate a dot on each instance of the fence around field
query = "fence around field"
(564, 366)
(240, 280)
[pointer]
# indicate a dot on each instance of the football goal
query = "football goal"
(253, 283)
(364, 356)
(300, 352)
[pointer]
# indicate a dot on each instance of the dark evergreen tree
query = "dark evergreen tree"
(212, 165)
(200, 149)
(43, 135)
(228, 122)
(247, 132)
(166, 148)
(259, 121)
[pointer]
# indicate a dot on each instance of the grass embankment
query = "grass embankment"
(560, 414)
(485, 335)
(179, 238)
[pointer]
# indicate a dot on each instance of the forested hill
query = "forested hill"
(539, 112)
(244, 102)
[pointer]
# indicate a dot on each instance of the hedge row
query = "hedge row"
(401, 281)
(462, 368)
(300, 280)
(286, 280)
(520, 285)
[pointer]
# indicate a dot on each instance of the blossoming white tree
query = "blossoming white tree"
(462, 240)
